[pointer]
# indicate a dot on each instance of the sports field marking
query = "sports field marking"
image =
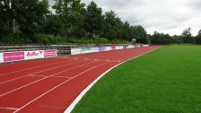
(41, 79)
(57, 87)
(8, 108)
(47, 76)
(62, 77)
(37, 72)
(31, 68)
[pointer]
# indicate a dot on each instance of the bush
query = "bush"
(48, 39)
(16, 38)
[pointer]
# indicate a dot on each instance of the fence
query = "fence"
(28, 52)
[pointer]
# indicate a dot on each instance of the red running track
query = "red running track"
(51, 85)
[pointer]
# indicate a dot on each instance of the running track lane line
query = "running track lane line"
(79, 97)
(32, 68)
(42, 79)
(38, 72)
(57, 87)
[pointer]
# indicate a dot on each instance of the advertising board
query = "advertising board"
(107, 48)
(1, 57)
(13, 56)
(130, 46)
(86, 50)
(75, 51)
(33, 54)
(94, 49)
(113, 47)
(119, 47)
(102, 48)
(50, 53)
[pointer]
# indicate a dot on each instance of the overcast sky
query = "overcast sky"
(167, 16)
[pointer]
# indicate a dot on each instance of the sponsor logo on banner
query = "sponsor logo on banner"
(1, 57)
(75, 51)
(50, 53)
(13, 56)
(86, 50)
(33, 54)
(94, 49)
(102, 49)
(113, 47)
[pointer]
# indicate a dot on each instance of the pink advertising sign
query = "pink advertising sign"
(33, 54)
(50, 53)
(1, 57)
(13, 56)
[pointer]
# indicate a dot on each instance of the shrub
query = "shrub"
(16, 38)
(48, 39)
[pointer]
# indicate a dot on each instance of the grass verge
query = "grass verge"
(167, 80)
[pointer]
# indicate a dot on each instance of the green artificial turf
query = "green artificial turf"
(167, 80)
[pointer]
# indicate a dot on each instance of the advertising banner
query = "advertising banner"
(145, 45)
(13, 56)
(113, 47)
(86, 50)
(130, 46)
(94, 49)
(50, 53)
(107, 48)
(119, 47)
(75, 51)
(33, 54)
(102, 49)
(1, 57)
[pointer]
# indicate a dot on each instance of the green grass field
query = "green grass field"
(167, 80)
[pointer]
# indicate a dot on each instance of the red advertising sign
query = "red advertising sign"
(13, 56)
(50, 53)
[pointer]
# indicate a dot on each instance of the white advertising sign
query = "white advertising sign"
(33, 54)
(107, 48)
(1, 57)
(94, 49)
(119, 47)
(75, 51)
(130, 46)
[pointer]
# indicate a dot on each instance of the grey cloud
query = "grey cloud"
(162, 15)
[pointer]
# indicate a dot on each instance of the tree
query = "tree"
(6, 17)
(71, 15)
(51, 25)
(161, 38)
(126, 31)
(112, 26)
(198, 37)
(187, 36)
(94, 20)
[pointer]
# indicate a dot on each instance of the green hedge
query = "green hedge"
(48, 39)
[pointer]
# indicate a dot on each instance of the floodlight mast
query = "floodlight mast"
(133, 41)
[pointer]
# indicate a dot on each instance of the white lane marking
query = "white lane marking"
(57, 87)
(72, 106)
(37, 72)
(31, 68)
(8, 108)
(41, 79)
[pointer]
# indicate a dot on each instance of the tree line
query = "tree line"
(31, 21)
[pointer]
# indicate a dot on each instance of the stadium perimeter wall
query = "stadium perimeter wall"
(16, 53)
